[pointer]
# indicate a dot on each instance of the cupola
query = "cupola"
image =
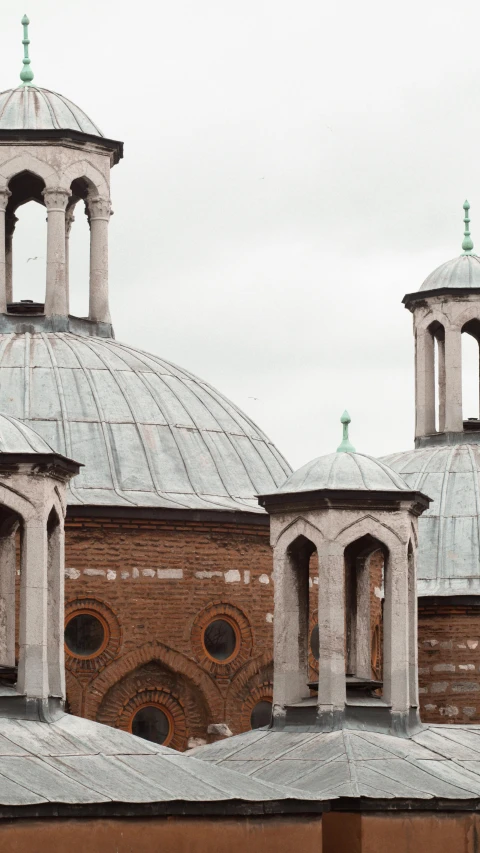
(344, 506)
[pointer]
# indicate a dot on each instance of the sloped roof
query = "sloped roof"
(437, 761)
(33, 108)
(344, 471)
(76, 761)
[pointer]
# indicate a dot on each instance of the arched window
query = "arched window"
(437, 333)
(26, 239)
(470, 373)
(364, 572)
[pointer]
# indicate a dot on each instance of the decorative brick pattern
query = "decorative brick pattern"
(216, 610)
(113, 629)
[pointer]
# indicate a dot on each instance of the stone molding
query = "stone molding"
(4, 196)
(56, 198)
(99, 208)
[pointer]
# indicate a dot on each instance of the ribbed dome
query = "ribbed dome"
(149, 434)
(449, 530)
(31, 108)
(17, 437)
(344, 471)
(461, 272)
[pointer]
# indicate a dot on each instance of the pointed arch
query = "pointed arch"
(154, 651)
(26, 162)
(84, 169)
(298, 527)
(369, 525)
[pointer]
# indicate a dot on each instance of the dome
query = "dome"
(344, 471)
(148, 433)
(17, 437)
(31, 108)
(462, 272)
(448, 557)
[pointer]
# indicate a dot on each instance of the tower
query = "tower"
(53, 154)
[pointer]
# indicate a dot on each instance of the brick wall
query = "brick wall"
(449, 662)
(156, 584)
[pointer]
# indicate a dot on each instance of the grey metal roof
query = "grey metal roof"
(448, 557)
(17, 437)
(437, 761)
(461, 272)
(149, 434)
(77, 761)
(31, 108)
(344, 471)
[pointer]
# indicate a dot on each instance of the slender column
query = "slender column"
(33, 634)
(331, 627)
(424, 383)
(7, 600)
(10, 223)
(56, 609)
(69, 220)
(363, 647)
(412, 629)
(396, 673)
(453, 380)
(441, 384)
(4, 196)
(56, 298)
(99, 213)
(290, 629)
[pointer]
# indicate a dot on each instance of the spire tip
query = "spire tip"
(467, 243)
(26, 74)
(345, 446)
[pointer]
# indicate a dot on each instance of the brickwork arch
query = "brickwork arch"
(172, 660)
(252, 684)
(243, 630)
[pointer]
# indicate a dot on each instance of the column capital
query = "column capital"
(4, 196)
(99, 208)
(56, 198)
(10, 222)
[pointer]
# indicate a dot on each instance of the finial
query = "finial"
(345, 446)
(467, 244)
(26, 74)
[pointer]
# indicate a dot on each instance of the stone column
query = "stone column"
(331, 628)
(4, 196)
(99, 215)
(441, 384)
(424, 383)
(7, 599)
(56, 297)
(453, 381)
(413, 628)
(33, 634)
(10, 223)
(290, 629)
(56, 607)
(69, 220)
(396, 658)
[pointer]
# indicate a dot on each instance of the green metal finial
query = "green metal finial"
(26, 74)
(467, 244)
(345, 446)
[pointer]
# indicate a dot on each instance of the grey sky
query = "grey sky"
(291, 170)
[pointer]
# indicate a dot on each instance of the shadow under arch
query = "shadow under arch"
(155, 651)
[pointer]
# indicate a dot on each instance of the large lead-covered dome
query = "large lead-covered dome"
(32, 108)
(149, 434)
(449, 530)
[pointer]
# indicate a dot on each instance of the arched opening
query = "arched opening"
(470, 374)
(26, 239)
(78, 246)
(299, 605)
(10, 524)
(437, 333)
(364, 575)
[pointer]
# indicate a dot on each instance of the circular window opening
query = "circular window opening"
(152, 723)
(315, 643)
(220, 639)
(261, 714)
(85, 635)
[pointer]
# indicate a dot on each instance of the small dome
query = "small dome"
(17, 437)
(448, 559)
(344, 471)
(462, 272)
(31, 108)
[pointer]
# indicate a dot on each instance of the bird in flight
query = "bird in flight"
(32, 259)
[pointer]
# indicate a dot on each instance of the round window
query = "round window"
(152, 723)
(220, 640)
(315, 643)
(85, 635)
(261, 714)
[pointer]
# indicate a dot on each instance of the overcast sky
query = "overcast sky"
(292, 168)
